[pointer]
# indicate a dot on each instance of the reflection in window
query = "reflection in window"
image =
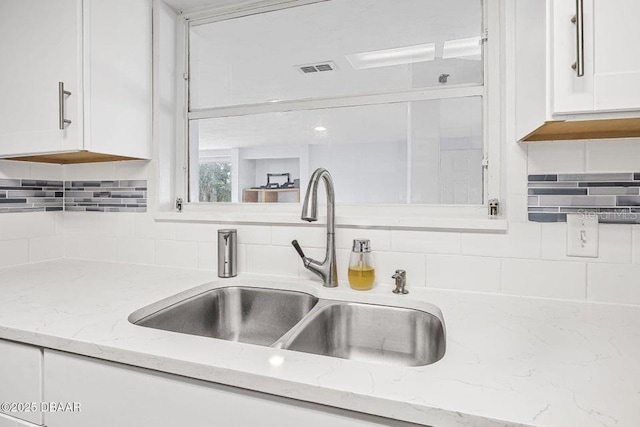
(215, 182)
(419, 152)
(418, 140)
(336, 48)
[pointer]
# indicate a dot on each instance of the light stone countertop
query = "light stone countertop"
(510, 361)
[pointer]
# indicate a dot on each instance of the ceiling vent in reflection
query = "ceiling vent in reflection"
(317, 68)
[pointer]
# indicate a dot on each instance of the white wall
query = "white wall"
(528, 260)
(34, 236)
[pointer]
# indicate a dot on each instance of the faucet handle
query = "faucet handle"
(298, 248)
(401, 281)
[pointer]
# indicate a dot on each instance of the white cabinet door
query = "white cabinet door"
(117, 395)
(118, 60)
(617, 59)
(21, 379)
(39, 46)
(570, 93)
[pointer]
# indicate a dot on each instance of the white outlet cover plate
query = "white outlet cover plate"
(582, 235)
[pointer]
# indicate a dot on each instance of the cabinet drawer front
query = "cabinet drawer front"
(21, 378)
(117, 395)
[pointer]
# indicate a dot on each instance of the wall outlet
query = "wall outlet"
(582, 235)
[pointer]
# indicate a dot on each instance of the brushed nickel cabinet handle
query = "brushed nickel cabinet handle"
(578, 20)
(61, 94)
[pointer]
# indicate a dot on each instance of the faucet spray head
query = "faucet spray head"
(310, 204)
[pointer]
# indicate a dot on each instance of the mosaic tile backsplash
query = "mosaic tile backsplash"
(30, 195)
(613, 197)
(106, 196)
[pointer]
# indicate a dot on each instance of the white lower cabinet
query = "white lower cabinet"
(20, 383)
(111, 395)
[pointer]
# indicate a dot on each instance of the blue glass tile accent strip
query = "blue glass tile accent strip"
(106, 196)
(613, 197)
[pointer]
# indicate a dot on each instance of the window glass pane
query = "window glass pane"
(336, 48)
(215, 182)
(422, 152)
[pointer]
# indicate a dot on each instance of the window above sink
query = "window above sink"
(394, 100)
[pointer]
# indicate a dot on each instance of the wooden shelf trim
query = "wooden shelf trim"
(585, 129)
(72, 158)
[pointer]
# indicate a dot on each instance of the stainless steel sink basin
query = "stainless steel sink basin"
(248, 315)
(298, 321)
(371, 333)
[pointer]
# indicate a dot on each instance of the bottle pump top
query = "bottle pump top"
(361, 245)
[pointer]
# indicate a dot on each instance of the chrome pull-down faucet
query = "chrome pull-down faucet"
(326, 269)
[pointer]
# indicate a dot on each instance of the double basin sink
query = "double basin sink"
(299, 321)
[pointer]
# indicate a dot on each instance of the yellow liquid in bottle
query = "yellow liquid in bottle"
(361, 277)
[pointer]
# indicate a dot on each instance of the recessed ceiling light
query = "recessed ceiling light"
(273, 101)
(395, 56)
(320, 129)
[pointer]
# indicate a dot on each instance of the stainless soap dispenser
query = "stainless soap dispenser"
(227, 253)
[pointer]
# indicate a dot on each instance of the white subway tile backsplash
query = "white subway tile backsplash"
(613, 283)
(14, 252)
(550, 279)
(147, 228)
(516, 207)
(93, 171)
(614, 243)
(208, 256)
(529, 259)
(635, 244)
(136, 251)
(613, 156)
(46, 248)
(25, 225)
(550, 157)
(522, 240)
(196, 232)
(430, 242)
(480, 274)
(175, 253)
(252, 234)
(380, 239)
(308, 237)
(273, 260)
(10, 169)
(517, 168)
(96, 248)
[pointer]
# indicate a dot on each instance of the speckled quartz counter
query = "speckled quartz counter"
(510, 361)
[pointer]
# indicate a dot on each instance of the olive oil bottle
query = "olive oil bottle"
(362, 274)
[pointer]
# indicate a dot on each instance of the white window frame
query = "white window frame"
(455, 217)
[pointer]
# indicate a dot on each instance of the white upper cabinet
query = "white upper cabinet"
(572, 58)
(101, 52)
(616, 79)
(39, 42)
(575, 60)
(598, 36)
